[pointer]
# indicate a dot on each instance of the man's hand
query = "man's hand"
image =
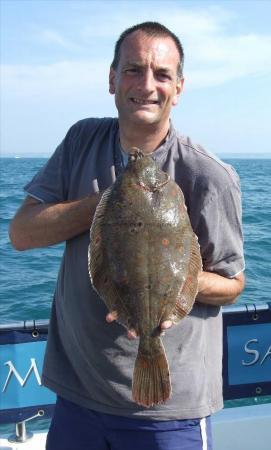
(131, 334)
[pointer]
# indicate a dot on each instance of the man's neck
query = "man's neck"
(146, 138)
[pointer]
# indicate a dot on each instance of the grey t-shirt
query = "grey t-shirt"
(89, 361)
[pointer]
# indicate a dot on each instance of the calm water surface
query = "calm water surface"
(28, 278)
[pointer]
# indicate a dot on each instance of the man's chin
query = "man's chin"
(143, 118)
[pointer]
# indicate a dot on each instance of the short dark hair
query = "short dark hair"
(153, 29)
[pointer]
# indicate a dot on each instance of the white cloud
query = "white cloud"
(58, 80)
(220, 59)
(213, 60)
(39, 103)
(50, 36)
(75, 83)
(181, 21)
(213, 54)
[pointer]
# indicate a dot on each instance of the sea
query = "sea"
(27, 279)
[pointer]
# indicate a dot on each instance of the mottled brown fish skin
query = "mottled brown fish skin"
(144, 261)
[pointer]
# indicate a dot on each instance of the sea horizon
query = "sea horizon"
(232, 155)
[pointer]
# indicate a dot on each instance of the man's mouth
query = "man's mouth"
(141, 101)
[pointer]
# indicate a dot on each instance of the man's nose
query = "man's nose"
(147, 81)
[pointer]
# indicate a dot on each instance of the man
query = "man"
(88, 362)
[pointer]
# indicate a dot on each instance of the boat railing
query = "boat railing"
(246, 363)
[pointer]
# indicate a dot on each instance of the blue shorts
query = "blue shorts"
(77, 428)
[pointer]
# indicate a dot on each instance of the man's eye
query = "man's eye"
(131, 70)
(163, 76)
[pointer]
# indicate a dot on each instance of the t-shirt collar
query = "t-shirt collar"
(158, 154)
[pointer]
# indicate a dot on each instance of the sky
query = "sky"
(55, 58)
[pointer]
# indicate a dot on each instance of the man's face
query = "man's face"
(145, 82)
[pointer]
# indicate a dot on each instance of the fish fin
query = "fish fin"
(98, 266)
(151, 379)
(189, 290)
(96, 252)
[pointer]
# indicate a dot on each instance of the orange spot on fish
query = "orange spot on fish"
(123, 280)
(165, 242)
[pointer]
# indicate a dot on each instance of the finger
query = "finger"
(111, 316)
(165, 325)
(131, 334)
(95, 186)
(113, 174)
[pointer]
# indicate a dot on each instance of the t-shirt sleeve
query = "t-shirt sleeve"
(51, 183)
(221, 237)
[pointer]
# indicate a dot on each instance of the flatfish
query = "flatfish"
(143, 261)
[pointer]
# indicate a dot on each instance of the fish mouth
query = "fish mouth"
(135, 153)
(143, 101)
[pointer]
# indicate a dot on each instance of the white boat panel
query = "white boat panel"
(243, 428)
(37, 442)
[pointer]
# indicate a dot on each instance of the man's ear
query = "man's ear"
(179, 89)
(112, 76)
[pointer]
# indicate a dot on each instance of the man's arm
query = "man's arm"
(39, 224)
(217, 290)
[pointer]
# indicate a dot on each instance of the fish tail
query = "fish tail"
(151, 380)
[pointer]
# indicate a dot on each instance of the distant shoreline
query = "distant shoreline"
(221, 155)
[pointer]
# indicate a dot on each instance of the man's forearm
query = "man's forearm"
(217, 290)
(39, 225)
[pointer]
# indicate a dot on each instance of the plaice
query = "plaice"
(144, 260)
